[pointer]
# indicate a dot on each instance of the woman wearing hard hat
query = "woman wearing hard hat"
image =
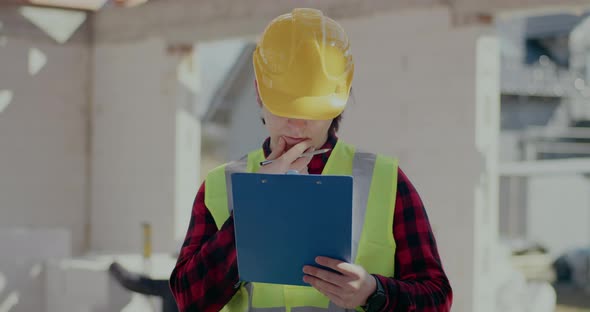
(304, 71)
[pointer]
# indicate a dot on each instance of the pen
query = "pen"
(320, 151)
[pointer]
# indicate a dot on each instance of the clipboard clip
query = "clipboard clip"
(290, 172)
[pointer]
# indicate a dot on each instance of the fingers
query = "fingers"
(304, 171)
(301, 163)
(278, 150)
(349, 290)
(294, 152)
(329, 290)
(290, 159)
(336, 294)
(330, 277)
(340, 266)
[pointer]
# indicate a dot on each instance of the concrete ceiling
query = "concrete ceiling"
(464, 6)
(184, 20)
(192, 20)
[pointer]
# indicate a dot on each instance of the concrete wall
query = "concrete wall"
(188, 170)
(43, 147)
(142, 119)
(133, 139)
(23, 255)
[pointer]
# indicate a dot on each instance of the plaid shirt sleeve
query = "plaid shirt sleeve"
(420, 283)
(206, 271)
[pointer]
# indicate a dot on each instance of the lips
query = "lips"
(293, 141)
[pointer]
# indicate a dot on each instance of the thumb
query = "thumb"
(278, 150)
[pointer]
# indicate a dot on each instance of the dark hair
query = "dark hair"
(335, 125)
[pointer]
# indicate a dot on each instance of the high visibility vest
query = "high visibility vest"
(374, 194)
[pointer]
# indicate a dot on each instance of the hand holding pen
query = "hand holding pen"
(306, 154)
(295, 159)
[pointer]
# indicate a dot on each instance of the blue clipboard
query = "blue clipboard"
(282, 222)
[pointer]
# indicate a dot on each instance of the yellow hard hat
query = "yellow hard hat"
(303, 66)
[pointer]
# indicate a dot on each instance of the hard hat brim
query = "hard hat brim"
(308, 107)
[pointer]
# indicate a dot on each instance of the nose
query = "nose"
(297, 123)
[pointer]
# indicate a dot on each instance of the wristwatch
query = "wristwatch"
(377, 299)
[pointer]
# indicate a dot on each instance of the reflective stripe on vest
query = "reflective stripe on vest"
(374, 193)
